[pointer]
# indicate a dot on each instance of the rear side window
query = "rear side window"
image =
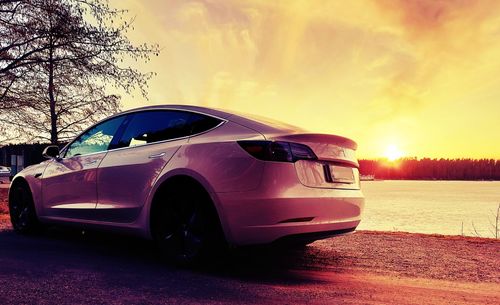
(154, 126)
(200, 123)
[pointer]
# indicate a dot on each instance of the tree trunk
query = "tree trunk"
(53, 114)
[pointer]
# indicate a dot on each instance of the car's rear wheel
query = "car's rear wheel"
(22, 210)
(185, 225)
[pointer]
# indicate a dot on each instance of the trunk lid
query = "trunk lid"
(336, 167)
(326, 147)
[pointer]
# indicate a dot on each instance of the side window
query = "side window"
(95, 139)
(201, 123)
(153, 126)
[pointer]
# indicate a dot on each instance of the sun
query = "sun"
(393, 153)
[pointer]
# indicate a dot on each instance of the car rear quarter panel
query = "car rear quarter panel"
(220, 160)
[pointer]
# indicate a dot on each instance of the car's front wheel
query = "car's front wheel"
(22, 210)
(186, 227)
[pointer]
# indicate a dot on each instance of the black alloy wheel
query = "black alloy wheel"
(22, 210)
(186, 227)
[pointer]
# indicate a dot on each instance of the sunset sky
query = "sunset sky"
(410, 78)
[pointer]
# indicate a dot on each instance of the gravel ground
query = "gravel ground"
(64, 266)
(3, 200)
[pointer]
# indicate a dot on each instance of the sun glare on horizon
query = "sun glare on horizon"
(393, 153)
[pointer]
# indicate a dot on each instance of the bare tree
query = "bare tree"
(495, 224)
(58, 61)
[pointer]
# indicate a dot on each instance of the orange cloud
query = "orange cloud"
(437, 36)
(428, 17)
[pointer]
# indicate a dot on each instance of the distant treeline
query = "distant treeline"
(429, 169)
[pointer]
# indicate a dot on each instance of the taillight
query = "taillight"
(278, 151)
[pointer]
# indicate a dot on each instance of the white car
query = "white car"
(194, 178)
(4, 174)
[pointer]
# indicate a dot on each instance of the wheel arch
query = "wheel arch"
(23, 181)
(187, 176)
(32, 175)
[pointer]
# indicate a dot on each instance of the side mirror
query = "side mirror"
(51, 151)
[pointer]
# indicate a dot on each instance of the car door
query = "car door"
(129, 170)
(69, 182)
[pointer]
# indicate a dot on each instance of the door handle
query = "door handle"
(90, 162)
(157, 155)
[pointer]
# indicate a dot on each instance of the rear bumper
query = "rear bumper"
(261, 217)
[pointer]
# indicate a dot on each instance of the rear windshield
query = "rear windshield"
(268, 121)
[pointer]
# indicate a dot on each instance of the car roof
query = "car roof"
(210, 111)
(257, 123)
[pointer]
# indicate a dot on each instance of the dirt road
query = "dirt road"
(66, 267)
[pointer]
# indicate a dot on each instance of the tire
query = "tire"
(22, 210)
(186, 227)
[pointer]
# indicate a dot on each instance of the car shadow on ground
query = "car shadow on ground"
(108, 255)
